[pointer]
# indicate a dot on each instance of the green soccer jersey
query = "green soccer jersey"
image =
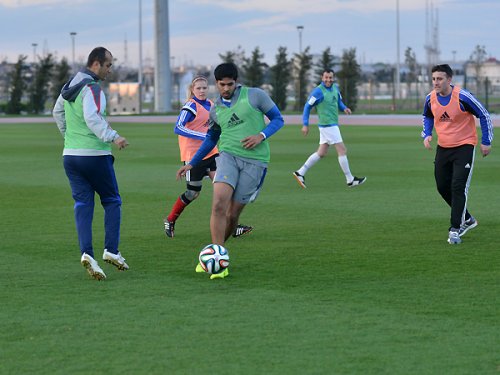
(328, 109)
(238, 122)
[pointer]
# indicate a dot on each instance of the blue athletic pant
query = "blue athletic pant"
(89, 175)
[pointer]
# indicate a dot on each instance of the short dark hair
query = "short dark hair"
(97, 54)
(328, 70)
(226, 70)
(445, 68)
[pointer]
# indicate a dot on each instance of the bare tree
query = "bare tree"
(411, 77)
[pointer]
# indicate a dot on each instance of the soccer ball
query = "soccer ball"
(214, 258)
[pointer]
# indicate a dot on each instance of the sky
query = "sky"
(200, 30)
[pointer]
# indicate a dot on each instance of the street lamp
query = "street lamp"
(34, 45)
(73, 34)
(299, 96)
(299, 29)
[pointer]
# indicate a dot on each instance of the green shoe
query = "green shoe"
(220, 275)
(199, 268)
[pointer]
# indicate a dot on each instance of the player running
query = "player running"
(328, 101)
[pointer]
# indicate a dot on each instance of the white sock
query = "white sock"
(311, 160)
(344, 165)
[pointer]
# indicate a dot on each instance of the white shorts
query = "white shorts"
(329, 135)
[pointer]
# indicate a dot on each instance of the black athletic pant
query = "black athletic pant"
(453, 171)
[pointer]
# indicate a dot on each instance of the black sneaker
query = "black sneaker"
(356, 181)
(241, 230)
(300, 179)
(169, 228)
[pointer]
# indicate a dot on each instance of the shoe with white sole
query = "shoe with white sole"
(356, 181)
(467, 225)
(169, 228)
(454, 237)
(115, 259)
(92, 267)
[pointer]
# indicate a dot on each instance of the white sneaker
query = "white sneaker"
(115, 259)
(454, 237)
(92, 267)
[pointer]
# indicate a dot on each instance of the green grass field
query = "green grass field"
(331, 281)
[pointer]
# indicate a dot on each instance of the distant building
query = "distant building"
(123, 98)
(483, 76)
(5, 71)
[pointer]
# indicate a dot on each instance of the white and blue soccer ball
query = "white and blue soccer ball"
(214, 258)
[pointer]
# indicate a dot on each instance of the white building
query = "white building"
(485, 75)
